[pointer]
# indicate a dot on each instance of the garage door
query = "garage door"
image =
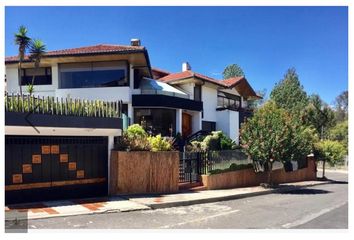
(51, 168)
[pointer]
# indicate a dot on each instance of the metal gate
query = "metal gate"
(192, 165)
(48, 167)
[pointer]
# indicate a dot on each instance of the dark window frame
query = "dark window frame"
(227, 105)
(48, 77)
(124, 62)
(200, 92)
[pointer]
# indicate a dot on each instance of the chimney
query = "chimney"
(135, 42)
(186, 66)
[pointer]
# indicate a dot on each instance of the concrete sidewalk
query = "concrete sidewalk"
(64, 208)
(138, 202)
(207, 196)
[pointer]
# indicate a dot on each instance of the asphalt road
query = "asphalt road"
(319, 207)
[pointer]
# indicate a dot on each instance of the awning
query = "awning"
(152, 86)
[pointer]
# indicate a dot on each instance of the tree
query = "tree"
(340, 133)
(341, 106)
(37, 50)
(319, 115)
(272, 135)
(233, 70)
(23, 41)
(289, 93)
(329, 151)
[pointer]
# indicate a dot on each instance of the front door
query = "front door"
(186, 124)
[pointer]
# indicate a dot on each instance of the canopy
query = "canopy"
(152, 86)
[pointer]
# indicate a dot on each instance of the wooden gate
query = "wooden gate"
(50, 168)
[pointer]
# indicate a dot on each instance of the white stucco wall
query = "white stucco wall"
(228, 122)
(42, 90)
(187, 88)
(106, 94)
(196, 121)
(209, 98)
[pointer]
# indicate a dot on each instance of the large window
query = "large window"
(228, 101)
(93, 74)
(42, 76)
(198, 93)
(156, 120)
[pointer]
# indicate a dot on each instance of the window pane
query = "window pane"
(87, 75)
(41, 76)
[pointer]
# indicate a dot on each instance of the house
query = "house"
(163, 102)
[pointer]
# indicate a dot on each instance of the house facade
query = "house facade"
(162, 102)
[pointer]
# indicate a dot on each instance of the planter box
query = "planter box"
(143, 172)
(248, 178)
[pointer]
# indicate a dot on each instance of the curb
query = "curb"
(229, 197)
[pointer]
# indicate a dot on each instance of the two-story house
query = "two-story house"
(162, 102)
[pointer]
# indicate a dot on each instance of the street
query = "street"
(323, 206)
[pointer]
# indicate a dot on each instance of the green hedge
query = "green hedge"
(233, 167)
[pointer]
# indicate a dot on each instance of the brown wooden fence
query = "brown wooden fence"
(143, 172)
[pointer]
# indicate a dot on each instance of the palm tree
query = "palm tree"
(23, 41)
(37, 49)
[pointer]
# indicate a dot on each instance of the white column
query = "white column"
(131, 113)
(110, 147)
(178, 121)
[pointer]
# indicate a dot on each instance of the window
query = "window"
(156, 120)
(208, 126)
(228, 101)
(198, 93)
(93, 74)
(42, 76)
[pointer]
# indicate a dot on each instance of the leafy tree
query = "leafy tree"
(329, 151)
(341, 106)
(340, 133)
(37, 50)
(233, 70)
(272, 135)
(289, 93)
(319, 115)
(23, 41)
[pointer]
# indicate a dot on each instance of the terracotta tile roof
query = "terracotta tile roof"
(232, 81)
(241, 83)
(96, 49)
(189, 74)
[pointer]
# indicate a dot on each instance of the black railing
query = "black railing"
(194, 164)
(62, 106)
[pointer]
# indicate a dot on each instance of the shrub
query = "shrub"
(217, 140)
(340, 133)
(136, 139)
(330, 151)
(233, 167)
(272, 135)
(159, 143)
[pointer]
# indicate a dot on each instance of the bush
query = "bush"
(217, 140)
(340, 133)
(233, 167)
(272, 135)
(330, 151)
(159, 143)
(136, 139)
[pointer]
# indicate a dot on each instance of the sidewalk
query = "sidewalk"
(135, 202)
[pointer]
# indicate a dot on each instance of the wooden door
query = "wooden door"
(186, 124)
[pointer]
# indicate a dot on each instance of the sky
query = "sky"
(264, 41)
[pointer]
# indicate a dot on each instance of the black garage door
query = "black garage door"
(51, 168)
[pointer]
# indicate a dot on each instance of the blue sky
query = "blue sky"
(264, 41)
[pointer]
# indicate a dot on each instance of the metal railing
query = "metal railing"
(62, 106)
(194, 164)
